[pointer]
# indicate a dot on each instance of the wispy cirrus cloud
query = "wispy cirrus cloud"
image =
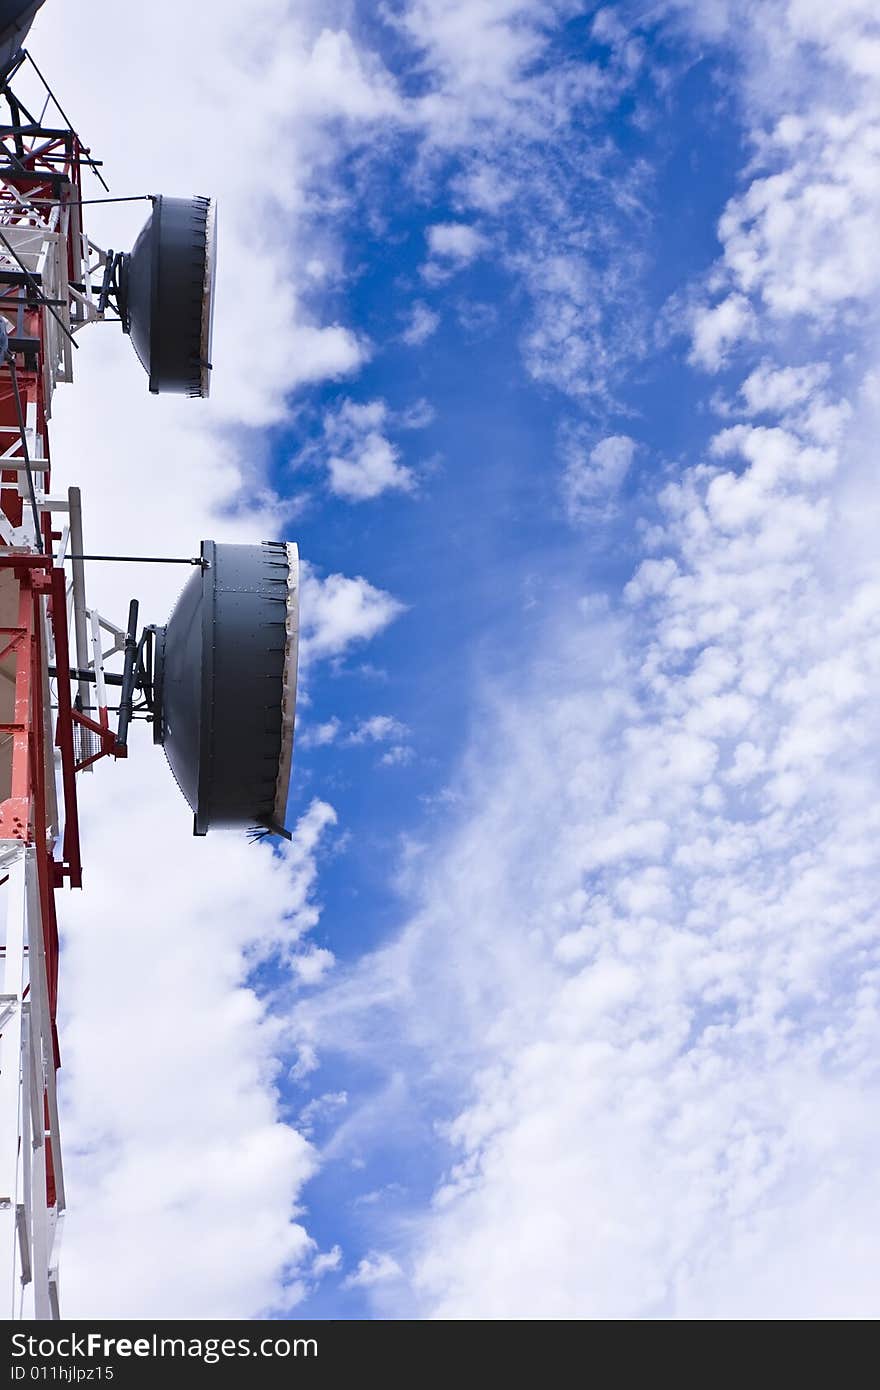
(593, 473)
(423, 324)
(568, 229)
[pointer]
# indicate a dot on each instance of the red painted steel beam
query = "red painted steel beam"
(64, 732)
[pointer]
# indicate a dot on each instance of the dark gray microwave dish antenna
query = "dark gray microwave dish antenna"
(165, 294)
(224, 685)
(16, 18)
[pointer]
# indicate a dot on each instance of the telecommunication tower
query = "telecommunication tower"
(217, 681)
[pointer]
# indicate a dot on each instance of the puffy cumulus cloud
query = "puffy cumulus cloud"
(337, 611)
(455, 241)
(769, 390)
(825, 193)
(452, 245)
(781, 40)
(796, 240)
(317, 735)
(323, 354)
(398, 755)
(592, 477)
(373, 471)
(377, 729)
(376, 1268)
(169, 1102)
(362, 462)
(717, 329)
(385, 729)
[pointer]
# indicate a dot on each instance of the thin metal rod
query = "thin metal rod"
(37, 290)
(142, 559)
(81, 673)
(132, 198)
(126, 701)
(38, 536)
(87, 202)
(64, 116)
(111, 709)
(13, 70)
(80, 625)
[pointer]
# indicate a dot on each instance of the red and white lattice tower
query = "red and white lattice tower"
(50, 282)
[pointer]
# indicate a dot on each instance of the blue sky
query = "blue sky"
(564, 378)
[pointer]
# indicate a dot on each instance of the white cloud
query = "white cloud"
(416, 416)
(399, 755)
(775, 391)
(361, 461)
(798, 238)
(384, 728)
(452, 246)
(338, 611)
(716, 330)
(657, 965)
(484, 187)
(341, 80)
(796, 241)
(455, 241)
(584, 323)
(375, 470)
(320, 1109)
(493, 99)
(327, 1262)
(379, 728)
(477, 54)
(376, 1268)
(317, 735)
(169, 1106)
(592, 478)
(499, 100)
(423, 324)
(323, 354)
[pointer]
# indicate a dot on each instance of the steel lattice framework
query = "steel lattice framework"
(52, 283)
